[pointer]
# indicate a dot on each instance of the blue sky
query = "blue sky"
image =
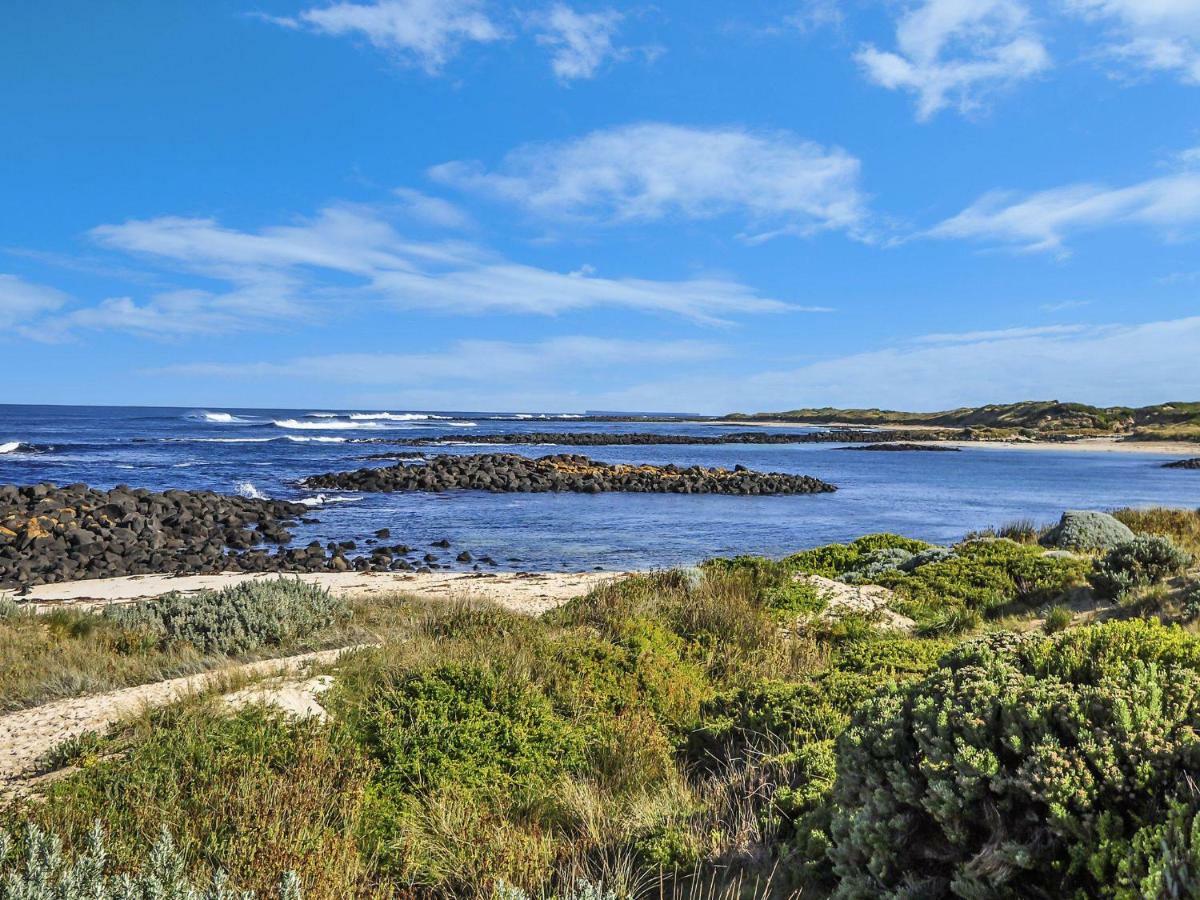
(702, 206)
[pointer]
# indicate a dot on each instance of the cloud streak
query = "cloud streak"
(1043, 221)
(775, 181)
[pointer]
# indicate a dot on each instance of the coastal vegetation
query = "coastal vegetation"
(1040, 419)
(737, 730)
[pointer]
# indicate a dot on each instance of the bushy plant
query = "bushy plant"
(873, 564)
(1087, 531)
(985, 574)
(1137, 563)
(1189, 602)
(9, 608)
(40, 870)
(465, 726)
(1027, 766)
(235, 619)
(835, 560)
(1058, 618)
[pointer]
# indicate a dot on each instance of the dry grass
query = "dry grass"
(1181, 525)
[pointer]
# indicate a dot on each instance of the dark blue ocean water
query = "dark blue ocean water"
(934, 496)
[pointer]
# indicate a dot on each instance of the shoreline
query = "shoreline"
(1183, 449)
(532, 593)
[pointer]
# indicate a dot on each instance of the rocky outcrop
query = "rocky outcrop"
(1183, 464)
(597, 439)
(50, 534)
(908, 448)
(505, 473)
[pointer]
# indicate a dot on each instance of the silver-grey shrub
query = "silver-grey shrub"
(1088, 531)
(39, 870)
(235, 619)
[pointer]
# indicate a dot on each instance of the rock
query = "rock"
(1183, 464)
(1087, 531)
(500, 472)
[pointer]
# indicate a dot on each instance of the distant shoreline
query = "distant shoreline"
(1089, 444)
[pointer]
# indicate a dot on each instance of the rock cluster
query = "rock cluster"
(908, 447)
(594, 439)
(501, 472)
(1183, 464)
(50, 534)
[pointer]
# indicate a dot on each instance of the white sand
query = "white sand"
(525, 592)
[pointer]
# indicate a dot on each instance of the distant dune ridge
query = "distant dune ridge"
(1036, 418)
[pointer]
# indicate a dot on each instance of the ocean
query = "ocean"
(264, 453)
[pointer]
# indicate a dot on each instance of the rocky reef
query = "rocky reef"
(907, 448)
(50, 534)
(503, 473)
(1183, 464)
(638, 438)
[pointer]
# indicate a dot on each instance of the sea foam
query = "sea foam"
(324, 425)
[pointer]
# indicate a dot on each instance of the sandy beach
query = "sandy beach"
(531, 593)
(1181, 449)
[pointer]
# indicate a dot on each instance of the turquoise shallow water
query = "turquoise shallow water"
(934, 496)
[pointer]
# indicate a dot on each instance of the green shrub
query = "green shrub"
(40, 870)
(795, 598)
(835, 560)
(235, 619)
(1138, 563)
(1058, 618)
(467, 727)
(951, 620)
(1026, 766)
(1189, 602)
(1087, 531)
(9, 608)
(986, 574)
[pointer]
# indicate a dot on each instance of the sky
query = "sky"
(685, 205)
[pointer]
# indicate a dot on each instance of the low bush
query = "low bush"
(1087, 531)
(36, 868)
(984, 575)
(235, 619)
(1027, 766)
(1135, 564)
(835, 560)
(1058, 618)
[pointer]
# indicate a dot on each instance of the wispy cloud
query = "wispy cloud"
(775, 181)
(957, 52)
(352, 256)
(1121, 363)
(1042, 221)
(463, 361)
(1150, 35)
(580, 43)
(422, 33)
(21, 302)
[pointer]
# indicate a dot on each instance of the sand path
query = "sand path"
(26, 736)
(531, 593)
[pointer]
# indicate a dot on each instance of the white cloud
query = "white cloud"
(1156, 35)
(1043, 220)
(579, 42)
(956, 52)
(434, 211)
(776, 181)
(1110, 364)
(424, 33)
(353, 255)
(22, 301)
